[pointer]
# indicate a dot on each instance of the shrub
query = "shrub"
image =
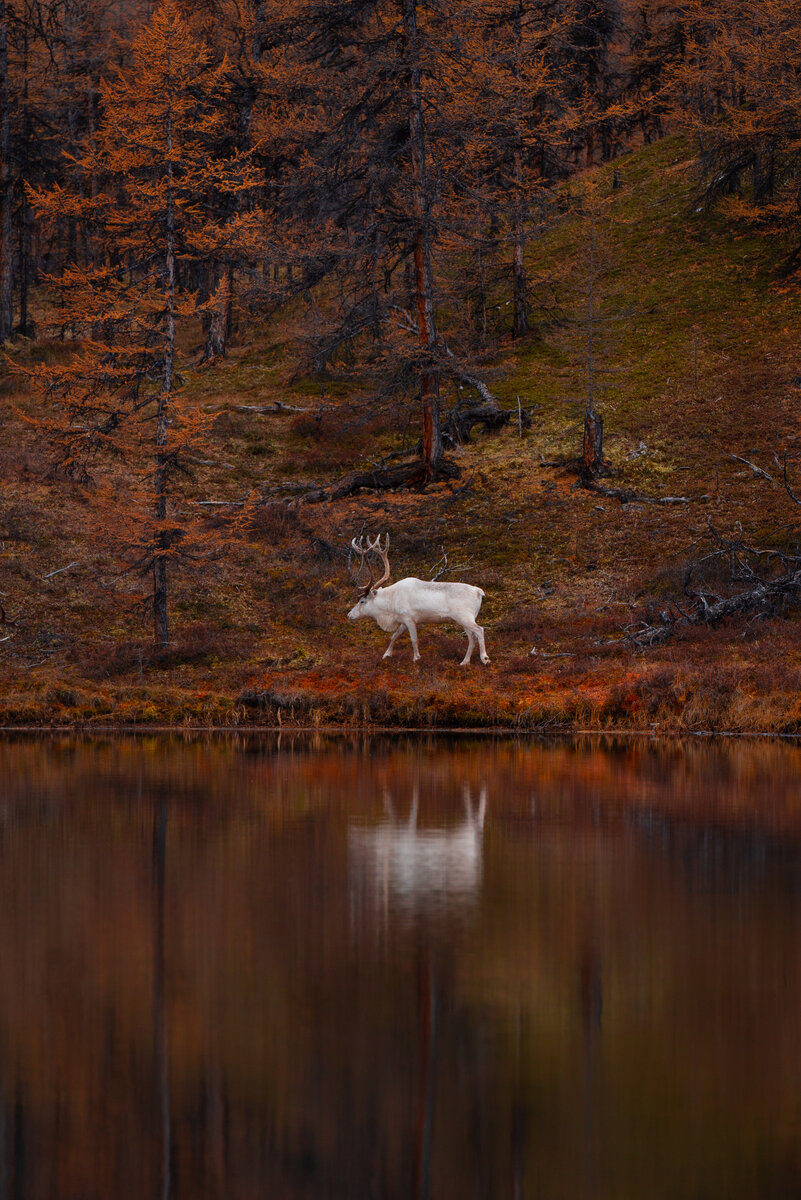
(196, 644)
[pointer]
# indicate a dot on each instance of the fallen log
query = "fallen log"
(278, 408)
(386, 479)
(772, 586)
(463, 418)
(632, 496)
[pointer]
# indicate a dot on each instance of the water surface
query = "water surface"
(399, 968)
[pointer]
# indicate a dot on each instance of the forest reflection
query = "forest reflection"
(411, 967)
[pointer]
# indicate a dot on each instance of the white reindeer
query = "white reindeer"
(412, 602)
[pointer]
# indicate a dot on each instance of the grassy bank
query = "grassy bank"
(699, 361)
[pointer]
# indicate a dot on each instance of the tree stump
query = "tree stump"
(592, 456)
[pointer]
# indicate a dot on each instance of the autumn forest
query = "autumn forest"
(515, 282)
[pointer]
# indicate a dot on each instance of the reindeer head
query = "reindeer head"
(363, 606)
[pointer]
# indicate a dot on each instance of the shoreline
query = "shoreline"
(501, 731)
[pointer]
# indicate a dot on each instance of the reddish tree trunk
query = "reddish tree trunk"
(592, 455)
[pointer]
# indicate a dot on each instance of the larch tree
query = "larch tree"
(370, 127)
(739, 90)
(594, 324)
(592, 452)
(654, 46)
(7, 241)
(62, 46)
(52, 53)
(591, 70)
(241, 33)
(158, 151)
(515, 129)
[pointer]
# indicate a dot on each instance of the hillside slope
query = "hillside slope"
(698, 361)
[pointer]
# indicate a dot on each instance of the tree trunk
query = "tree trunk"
(219, 317)
(520, 317)
(90, 231)
(160, 626)
(592, 456)
(520, 320)
(6, 197)
(229, 303)
(424, 282)
(480, 300)
(25, 325)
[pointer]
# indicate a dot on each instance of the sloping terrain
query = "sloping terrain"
(698, 360)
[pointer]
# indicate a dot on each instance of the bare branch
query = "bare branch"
(786, 479)
(60, 569)
(757, 470)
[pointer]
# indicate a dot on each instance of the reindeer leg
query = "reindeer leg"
(482, 649)
(477, 632)
(393, 640)
(410, 625)
(471, 645)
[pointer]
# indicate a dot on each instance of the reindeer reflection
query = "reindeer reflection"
(415, 869)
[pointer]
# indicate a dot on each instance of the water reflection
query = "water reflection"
(410, 869)
(349, 969)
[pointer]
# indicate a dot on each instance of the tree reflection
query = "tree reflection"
(354, 971)
(160, 1046)
(429, 1019)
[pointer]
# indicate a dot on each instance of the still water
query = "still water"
(399, 968)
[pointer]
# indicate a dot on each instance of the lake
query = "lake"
(439, 967)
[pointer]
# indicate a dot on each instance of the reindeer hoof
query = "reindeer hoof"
(486, 660)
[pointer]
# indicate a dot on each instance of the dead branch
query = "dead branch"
(278, 408)
(460, 422)
(210, 462)
(218, 503)
(443, 559)
(383, 479)
(288, 487)
(632, 496)
(441, 566)
(757, 470)
(60, 569)
(785, 478)
(769, 585)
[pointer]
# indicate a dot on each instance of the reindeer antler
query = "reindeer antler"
(383, 553)
(360, 550)
(373, 547)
